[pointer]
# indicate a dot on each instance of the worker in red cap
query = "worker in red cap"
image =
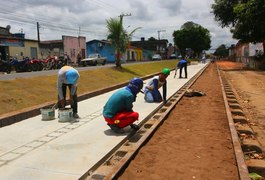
(68, 77)
(118, 112)
(151, 90)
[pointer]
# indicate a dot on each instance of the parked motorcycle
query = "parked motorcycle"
(5, 66)
(48, 63)
(21, 66)
(36, 64)
(52, 63)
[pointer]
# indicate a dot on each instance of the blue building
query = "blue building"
(103, 47)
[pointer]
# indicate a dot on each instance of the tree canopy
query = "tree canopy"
(246, 18)
(193, 36)
(221, 51)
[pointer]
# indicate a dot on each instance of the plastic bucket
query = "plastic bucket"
(65, 115)
(47, 114)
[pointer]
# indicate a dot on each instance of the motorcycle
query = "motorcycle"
(48, 63)
(5, 66)
(36, 64)
(22, 66)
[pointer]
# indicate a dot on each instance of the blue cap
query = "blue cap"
(138, 82)
(71, 76)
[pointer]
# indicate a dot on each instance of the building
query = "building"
(102, 47)
(68, 46)
(248, 53)
(106, 49)
(15, 45)
(156, 46)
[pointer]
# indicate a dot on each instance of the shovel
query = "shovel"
(175, 73)
(55, 106)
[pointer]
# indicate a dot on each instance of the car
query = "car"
(94, 59)
(156, 57)
(173, 56)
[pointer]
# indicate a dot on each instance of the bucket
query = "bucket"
(65, 115)
(47, 113)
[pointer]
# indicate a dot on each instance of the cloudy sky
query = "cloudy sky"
(157, 18)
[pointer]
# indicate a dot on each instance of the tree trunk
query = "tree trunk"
(118, 60)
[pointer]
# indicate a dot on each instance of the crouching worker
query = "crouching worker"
(151, 90)
(118, 110)
(68, 77)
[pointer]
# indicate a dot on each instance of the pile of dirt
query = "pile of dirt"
(231, 65)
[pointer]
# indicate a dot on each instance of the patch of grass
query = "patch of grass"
(26, 92)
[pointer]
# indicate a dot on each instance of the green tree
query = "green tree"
(152, 39)
(244, 17)
(119, 37)
(193, 36)
(221, 51)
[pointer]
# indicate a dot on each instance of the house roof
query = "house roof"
(96, 40)
(51, 42)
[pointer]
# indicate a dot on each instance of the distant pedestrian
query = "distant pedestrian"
(203, 59)
(118, 111)
(151, 90)
(79, 57)
(182, 64)
(68, 77)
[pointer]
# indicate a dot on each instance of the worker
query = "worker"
(182, 64)
(151, 90)
(68, 77)
(118, 112)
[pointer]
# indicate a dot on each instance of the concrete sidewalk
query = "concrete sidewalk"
(36, 149)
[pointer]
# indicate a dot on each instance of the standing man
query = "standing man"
(68, 77)
(151, 90)
(118, 110)
(182, 64)
(79, 57)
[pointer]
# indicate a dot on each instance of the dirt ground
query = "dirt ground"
(250, 86)
(194, 142)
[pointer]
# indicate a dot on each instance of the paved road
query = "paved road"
(14, 75)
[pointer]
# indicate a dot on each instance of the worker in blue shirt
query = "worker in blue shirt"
(151, 90)
(182, 64)
(118, 111)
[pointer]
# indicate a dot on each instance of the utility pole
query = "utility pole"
(159, 39)
(79, 31)
(159, 33)
(38, 31)
(118, 63)
(122, 15)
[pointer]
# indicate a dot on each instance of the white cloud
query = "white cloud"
(88, 17)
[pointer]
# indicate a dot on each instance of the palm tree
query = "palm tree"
(118, 37)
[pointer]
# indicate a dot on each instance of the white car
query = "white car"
(156, 57)
(94, 59)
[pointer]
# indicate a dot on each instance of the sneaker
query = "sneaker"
(135, 127)
(76, 116)
(116, 129)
